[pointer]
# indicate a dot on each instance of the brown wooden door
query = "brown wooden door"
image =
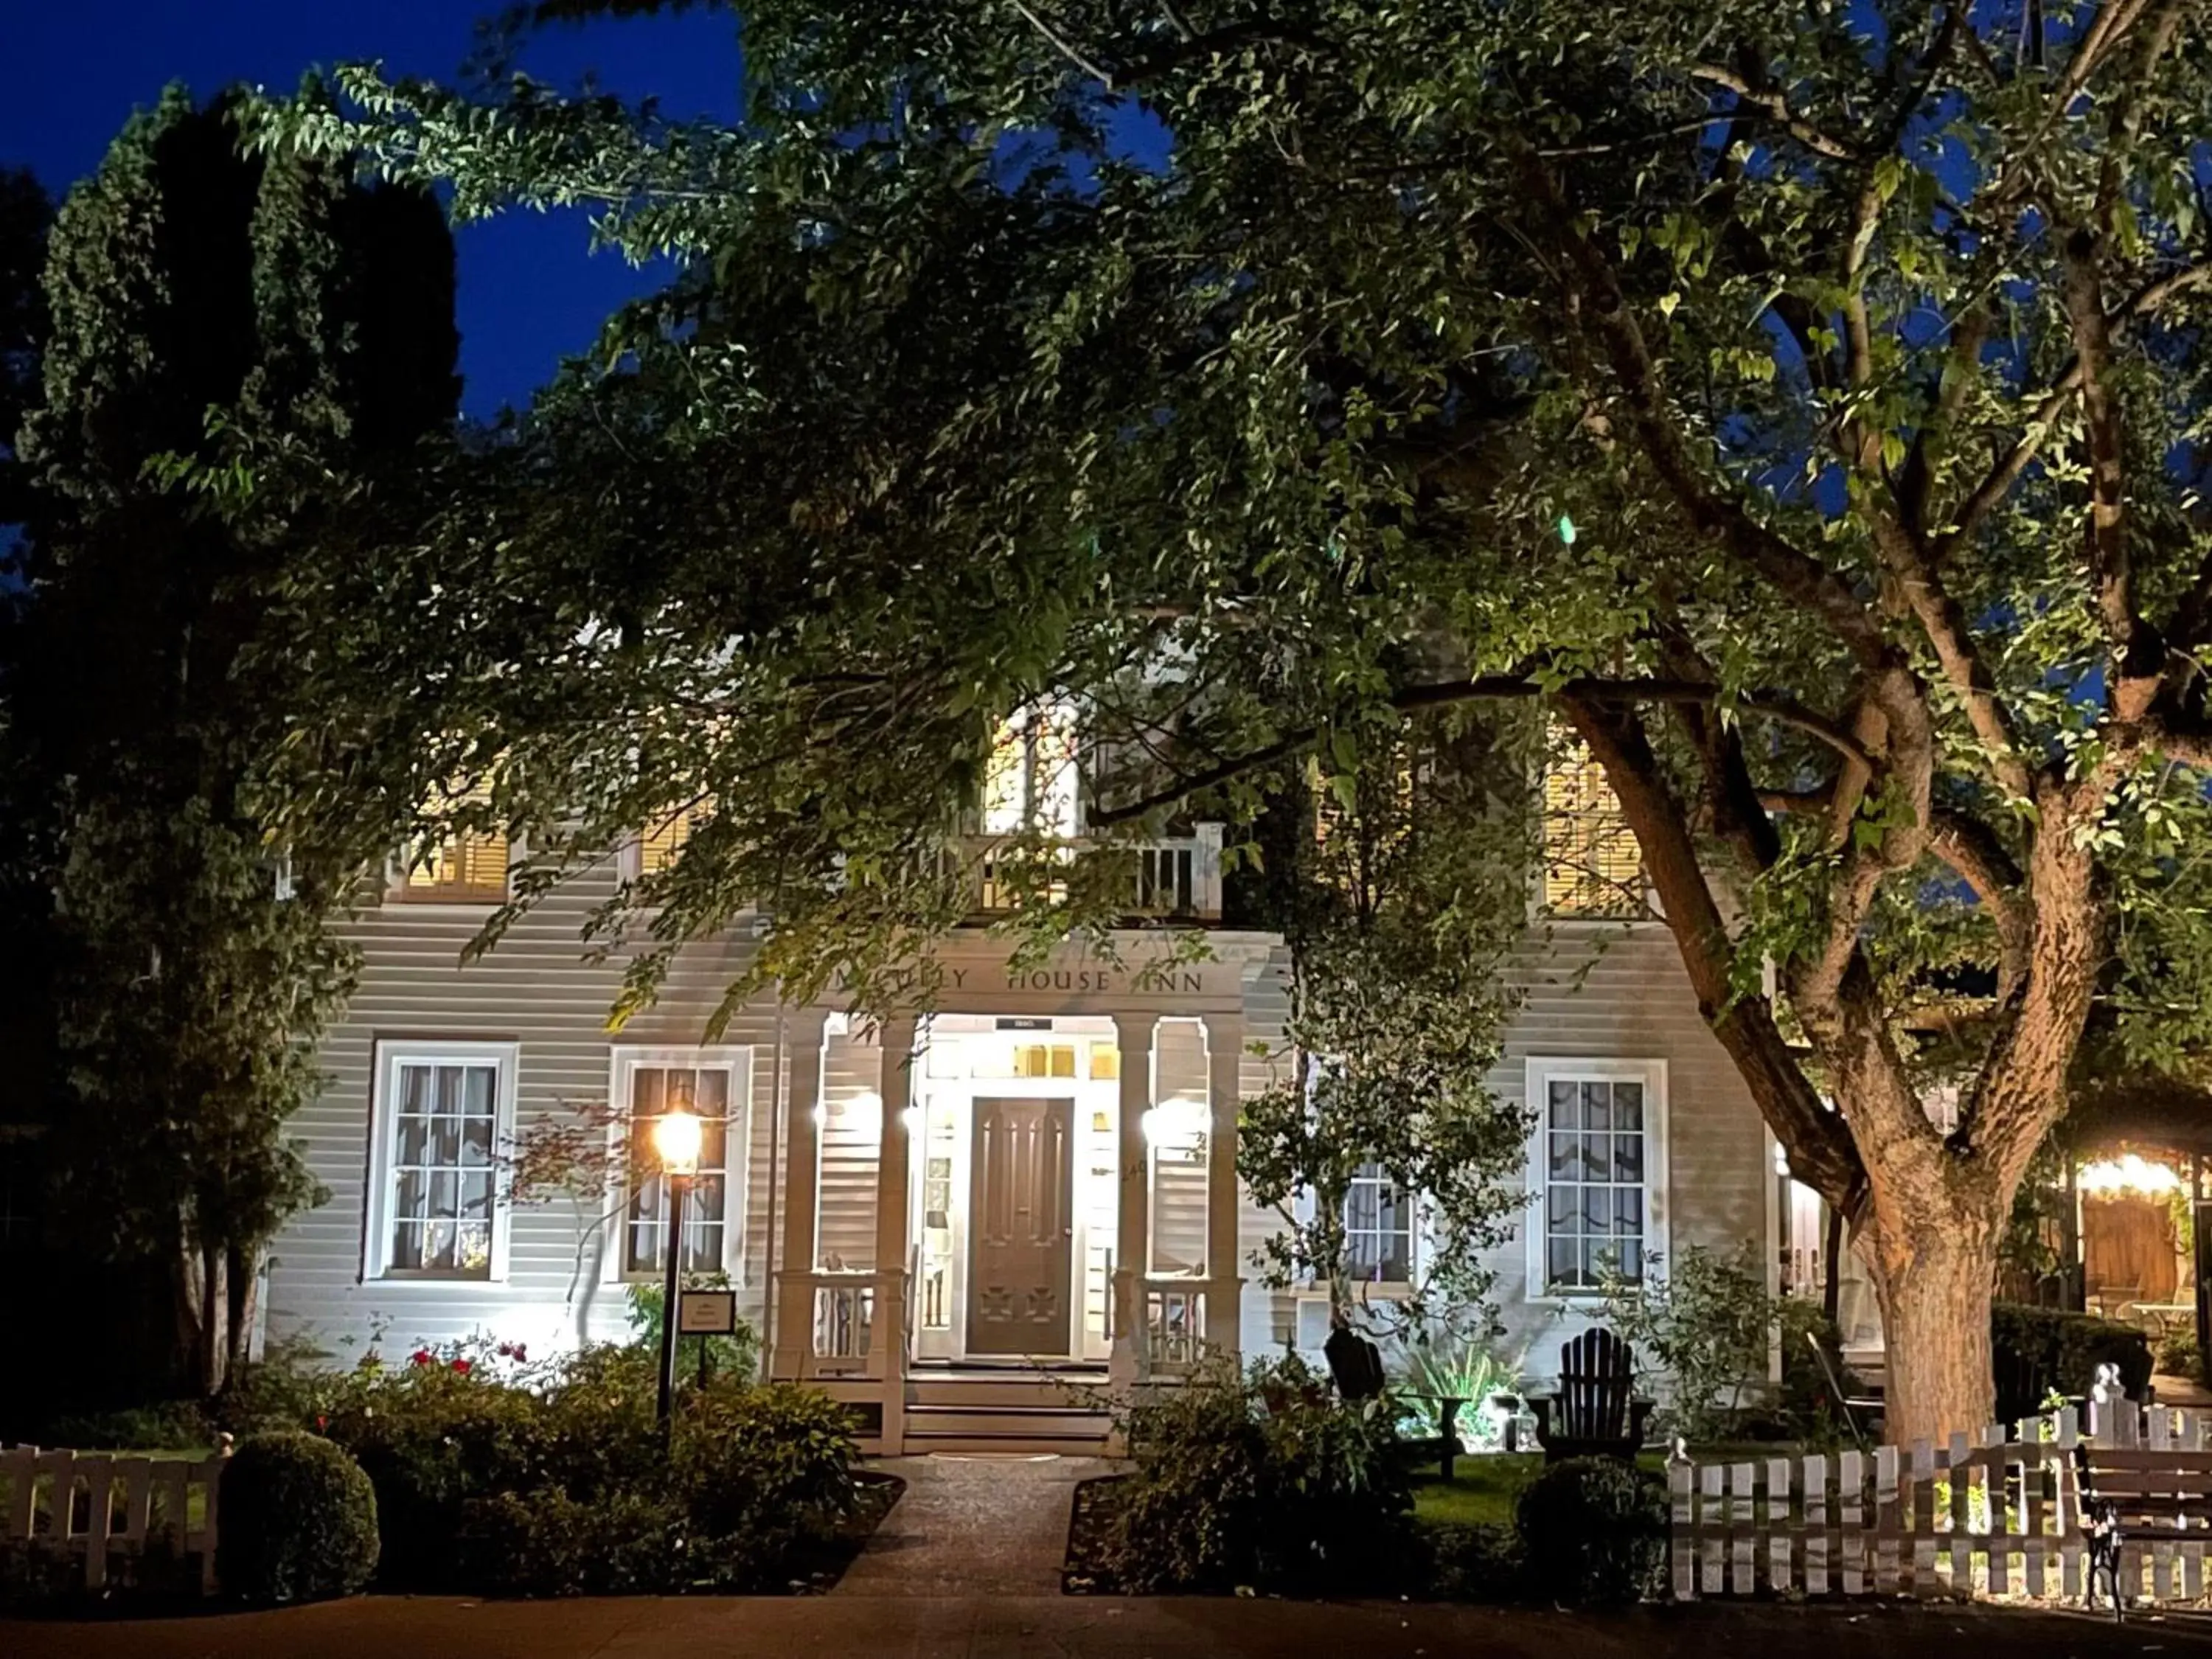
(1021, 1227)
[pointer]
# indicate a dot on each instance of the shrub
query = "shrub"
(167, 1426)
(1593, 1532)
(298, 1521)
(735, 1357)
(2178, 1355)
(1709, 1325)
(2040, 1350)
(555, 1479)
(1261, 1482)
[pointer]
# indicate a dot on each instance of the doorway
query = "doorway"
(1022, 1227)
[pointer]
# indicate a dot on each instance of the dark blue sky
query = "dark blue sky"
(71, 75)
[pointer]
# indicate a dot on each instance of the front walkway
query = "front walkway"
(985, 1524)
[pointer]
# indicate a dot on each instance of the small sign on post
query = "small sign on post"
(705, 1312)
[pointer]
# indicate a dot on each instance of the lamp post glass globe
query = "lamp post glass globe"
(676, 1139)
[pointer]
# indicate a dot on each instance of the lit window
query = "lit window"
(712, 1086)
(658, 848)
(467, 867)
(1599, 1143)
(1031, 784)
(441, 1112)
(1378, 1229)
(1592, 865)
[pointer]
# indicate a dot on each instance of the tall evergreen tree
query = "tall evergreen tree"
(201, 301)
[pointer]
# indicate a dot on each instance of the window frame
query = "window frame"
(1408, 1208)
(1023, 725)
(678, 826)
(1543, 1071)
(391, 1055)
(1575, 756)
(624, 1062)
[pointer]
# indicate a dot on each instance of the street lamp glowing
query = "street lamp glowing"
(676, 1139)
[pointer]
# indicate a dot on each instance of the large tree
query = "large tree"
(1804, 402)
(181, 960)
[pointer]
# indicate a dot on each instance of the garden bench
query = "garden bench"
(1595, 1412)
(1356, 1364)
(2127, 1493)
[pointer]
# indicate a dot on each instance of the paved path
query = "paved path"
(1078, 1627)
(980, 1526)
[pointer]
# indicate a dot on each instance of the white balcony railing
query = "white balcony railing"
(1177, 878)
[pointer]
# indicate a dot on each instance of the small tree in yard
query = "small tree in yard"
(1803, 402)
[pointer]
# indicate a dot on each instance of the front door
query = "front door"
(1021, 1227)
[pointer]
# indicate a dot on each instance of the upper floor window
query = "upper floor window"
(442, 1111)
(711, 1084)
(1378, 1228)
(1592, 863)
(1032, 784)
(658, 847)
(467, 867)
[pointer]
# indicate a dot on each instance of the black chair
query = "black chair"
(1356, 1364)
(1595, 1412)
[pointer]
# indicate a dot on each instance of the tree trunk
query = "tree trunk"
(202, 1285)
(242, 1308)
(1935, 1285)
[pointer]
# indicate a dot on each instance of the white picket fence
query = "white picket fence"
(107, 1509)
(1994, 1517)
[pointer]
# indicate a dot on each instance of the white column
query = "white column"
(1133, 1215)
(887, 1330)
(1225, 1045)
(791, 1345)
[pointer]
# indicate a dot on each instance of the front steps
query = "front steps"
(973, 1410)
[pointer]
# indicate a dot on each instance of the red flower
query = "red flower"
(463, 1367)
(421, 1357)
(321, 1421)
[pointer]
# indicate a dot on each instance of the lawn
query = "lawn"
(1483, 1488)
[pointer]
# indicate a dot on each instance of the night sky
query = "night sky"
(71, 74)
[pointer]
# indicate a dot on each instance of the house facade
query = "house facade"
(970, 1224)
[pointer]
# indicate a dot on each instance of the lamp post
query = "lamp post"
(676, 1139)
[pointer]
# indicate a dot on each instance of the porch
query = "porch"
(995, 1223)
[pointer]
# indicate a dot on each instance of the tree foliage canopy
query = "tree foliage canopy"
(1023, 347)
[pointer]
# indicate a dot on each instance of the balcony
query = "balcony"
(1176, 878)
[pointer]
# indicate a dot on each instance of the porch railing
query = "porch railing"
(848, 1312)
(1177, 877)
(1163, 1326)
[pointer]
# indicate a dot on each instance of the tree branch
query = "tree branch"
(1777, 105)
(1065, 47)
(1972, 849)
(1493, 688)
(1818, 1145)
(1794, 573)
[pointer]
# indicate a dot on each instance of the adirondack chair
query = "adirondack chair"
(1355, 1365)
(1594, 1413)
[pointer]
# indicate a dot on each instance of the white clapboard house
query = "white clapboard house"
(957, 1223)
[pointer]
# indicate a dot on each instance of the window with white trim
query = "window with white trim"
(464, 866)
(442, 1113)
(1598, 1169)
(1378, 1228)
(1593, 864)
(662, 842)
(1031, 784)
(713, 1084)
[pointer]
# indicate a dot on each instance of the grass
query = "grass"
(1483, 1488)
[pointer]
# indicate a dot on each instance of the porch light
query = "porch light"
(2129, 1173)
(675, 1138)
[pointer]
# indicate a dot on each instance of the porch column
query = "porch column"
(791, 1343)
(887, 1337)
(1225, 1046)
(1132, 1216)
